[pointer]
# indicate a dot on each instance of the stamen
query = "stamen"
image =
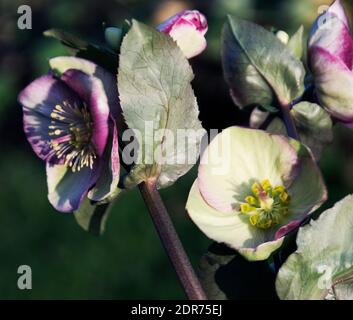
(267, 205)
(71, 129)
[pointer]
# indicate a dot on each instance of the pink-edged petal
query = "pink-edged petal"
(282, 231)
(304, 200)
(238, 157)
(230, 228)
(199, 20)
(67, 189)
(337, 9)
(168, 24)
(110, 174)
(191, 17)
(91, 90)
(333, 83)
(39, 99)
(64, 63)
(188, 29)
(331, 32)
(190, 41)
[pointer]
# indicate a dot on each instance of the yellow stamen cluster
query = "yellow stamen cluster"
(267, 205)
(71, 131)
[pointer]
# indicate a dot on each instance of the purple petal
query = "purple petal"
(63, 63)
(91, 90)
(39, 99)
(67, 189)
(109, 177)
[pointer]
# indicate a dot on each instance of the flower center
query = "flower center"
(267, 205)
(71, 131)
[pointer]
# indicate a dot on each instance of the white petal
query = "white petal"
(230, 228)
(189, 40)
(236, 159)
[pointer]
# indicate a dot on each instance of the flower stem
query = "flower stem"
(171, 241)
(289, 122)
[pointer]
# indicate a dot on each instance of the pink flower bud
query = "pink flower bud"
(188, 29)
(331, 62)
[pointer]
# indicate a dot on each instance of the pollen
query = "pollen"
(70, 130)
(266, 206)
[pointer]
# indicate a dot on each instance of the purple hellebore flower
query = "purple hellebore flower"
(70, 123)
(188, 29)
(331, 62)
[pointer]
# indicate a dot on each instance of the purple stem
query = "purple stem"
(289, 122)
(171, 241)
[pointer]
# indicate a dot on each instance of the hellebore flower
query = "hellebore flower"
(331, 62)
(70, 123)
(188, 29)
(252, 189)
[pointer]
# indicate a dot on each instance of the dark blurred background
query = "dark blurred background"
(128, 261)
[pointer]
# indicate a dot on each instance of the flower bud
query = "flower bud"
(188, 29)
(113, 37)
(331, 62)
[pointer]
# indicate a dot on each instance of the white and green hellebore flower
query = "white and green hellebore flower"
(252, 189)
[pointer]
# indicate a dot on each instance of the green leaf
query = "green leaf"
(224, 274)
(67, 39)
(313, 123)
(296, 43)
(92, 216)
(99, 54)
(322, 266)
(277, 126)
(155, 92)
(258, 67)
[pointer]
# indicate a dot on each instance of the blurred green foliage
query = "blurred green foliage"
(128, 261)
(67, 263)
